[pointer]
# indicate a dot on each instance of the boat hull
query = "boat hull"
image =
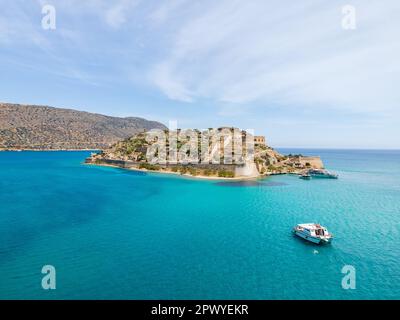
(312, 239)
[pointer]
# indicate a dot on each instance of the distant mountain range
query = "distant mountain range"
(46, 128)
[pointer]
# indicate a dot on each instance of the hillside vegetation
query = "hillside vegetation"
(46, 128)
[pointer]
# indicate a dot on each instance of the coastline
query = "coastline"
(163, 172)
(45, 150)
(185, 175)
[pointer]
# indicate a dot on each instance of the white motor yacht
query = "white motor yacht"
(313, 232)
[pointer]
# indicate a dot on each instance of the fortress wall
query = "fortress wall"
(247, 170)
(133, 164)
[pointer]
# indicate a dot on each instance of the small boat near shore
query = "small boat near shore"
(305, 176)
(313, 232)
(321, 173)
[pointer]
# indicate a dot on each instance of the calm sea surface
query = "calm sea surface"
(118, 234)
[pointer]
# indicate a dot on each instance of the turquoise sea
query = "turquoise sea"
(118, 234)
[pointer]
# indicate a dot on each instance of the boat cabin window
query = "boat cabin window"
(319, 232)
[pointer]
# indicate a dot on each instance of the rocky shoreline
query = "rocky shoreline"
(187, 172)
(260, 168)
(169, 172)
(209, 171)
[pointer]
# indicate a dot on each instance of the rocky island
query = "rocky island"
(133, 153)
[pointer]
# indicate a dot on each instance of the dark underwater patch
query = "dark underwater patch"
(250, 183)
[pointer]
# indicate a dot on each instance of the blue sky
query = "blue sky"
(286, 69)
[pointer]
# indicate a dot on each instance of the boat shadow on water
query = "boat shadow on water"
(309, 243)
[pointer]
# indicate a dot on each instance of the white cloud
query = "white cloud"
(163, 11)
(229, 53)
(284, 52)
(171, 85)
(116, 15)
